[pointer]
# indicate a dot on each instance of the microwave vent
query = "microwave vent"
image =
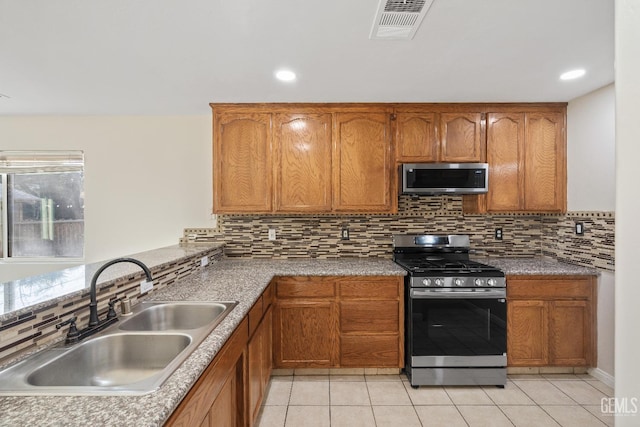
(399, 19)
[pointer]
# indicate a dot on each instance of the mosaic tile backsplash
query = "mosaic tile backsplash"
(319, 236)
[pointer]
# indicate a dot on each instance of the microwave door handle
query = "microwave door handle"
(438, 294)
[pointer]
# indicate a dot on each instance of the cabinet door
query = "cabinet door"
(303, 162)
(255, 353)
(505, 142)
(461, 137)
(527, 337)
(416, 137)
(545, 182)
(242, 163)
(304, 334)
(570, 333)
(223, 410)
(267, 348)
(362, 163)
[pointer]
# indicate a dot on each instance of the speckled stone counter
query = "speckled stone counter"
(537, 266)
(241, 280)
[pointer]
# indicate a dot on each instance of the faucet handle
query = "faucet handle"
(112, 302)
(72, 335)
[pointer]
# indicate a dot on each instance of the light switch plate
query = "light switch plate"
(204, 261)
(145, 286)
(272, 234)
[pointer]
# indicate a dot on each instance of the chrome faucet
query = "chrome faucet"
(95, 324)
(93, 305)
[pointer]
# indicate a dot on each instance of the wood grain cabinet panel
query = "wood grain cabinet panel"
(242, 163)
(362, 168)
(369, 316)
(258, 365)
(416, 137)
(461, 137)
(526, 153)
(303, 162)
(376, 351)
(551, 321)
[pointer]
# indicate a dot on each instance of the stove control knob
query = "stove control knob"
(426, 282)
(458, 282)
(439, 282)
(478, 282)
(492, 282)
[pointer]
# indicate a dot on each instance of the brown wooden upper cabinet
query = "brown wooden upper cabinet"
(362, 169)
(526, 153)
(242, 162)
(425, 137)
(302, 158)
(303, 162)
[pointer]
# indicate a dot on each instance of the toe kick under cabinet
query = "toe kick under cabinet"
(551, 321)
(339, 322)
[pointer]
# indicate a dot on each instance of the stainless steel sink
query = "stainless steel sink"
(111, 360)
(171, 316)
(134, 356)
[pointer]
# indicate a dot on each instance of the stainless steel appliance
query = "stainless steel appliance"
(444, 178)
(456, 313)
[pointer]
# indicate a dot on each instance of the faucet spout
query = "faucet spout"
(93, 305)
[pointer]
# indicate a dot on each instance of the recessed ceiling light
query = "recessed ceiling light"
(285, 75)
(573, 74)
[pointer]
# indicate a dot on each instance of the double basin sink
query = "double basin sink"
(134, 356)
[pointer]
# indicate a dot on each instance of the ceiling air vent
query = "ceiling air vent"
(399, 19)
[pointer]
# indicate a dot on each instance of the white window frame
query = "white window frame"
(16, 162)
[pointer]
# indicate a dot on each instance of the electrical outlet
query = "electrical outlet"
(272, 234)
(204, 261)
(579, 228)
(345, 233)
(145, 286)
(498, 234)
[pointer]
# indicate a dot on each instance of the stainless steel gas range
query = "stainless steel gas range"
(456, 313)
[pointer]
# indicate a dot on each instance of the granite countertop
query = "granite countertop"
(537, 266)
(240, 280)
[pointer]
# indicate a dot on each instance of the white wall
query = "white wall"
(591, 151)
(591, 186)
(146, 177)
(627, 28)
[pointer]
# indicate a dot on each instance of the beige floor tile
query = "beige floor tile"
(555, 377)
(349, 393)
(580, 391)
(346, 371)
(278, 392)
(308, 416)
(544, 393)
(509, 395)
(524, 377)
(602, 387)
(573, 416)
(484, 416)
(468, 396)
(438, 416)
(528, 416)
(388, 393)
(427, 395)
(272, 416)
(395, 416)
(311, 371)
(308, 378)
(608, 419)
(352, 416)
(348, 378)
(309, 393)
(384, 378)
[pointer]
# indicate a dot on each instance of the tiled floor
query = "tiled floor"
(389, 400)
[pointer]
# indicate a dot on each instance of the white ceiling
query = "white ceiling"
(176, 56)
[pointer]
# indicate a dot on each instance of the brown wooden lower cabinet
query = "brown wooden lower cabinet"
(322, 322)
(551, 321)
(258, 365)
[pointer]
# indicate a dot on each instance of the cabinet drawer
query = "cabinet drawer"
(307, 287)
(550, 287)
(370, 288)
(369, 351)
(369, 316)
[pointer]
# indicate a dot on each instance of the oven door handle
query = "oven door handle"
(439, 294)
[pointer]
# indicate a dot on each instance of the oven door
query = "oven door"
(462, 328)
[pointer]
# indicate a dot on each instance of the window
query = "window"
(41, 204)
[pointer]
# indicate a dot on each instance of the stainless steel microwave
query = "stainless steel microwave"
(444, 178)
